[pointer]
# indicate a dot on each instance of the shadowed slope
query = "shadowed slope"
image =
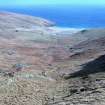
(95, 66)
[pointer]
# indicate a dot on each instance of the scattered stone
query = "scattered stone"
(16, 30)
(17, 67)
(72, 91)
(83, 31)
(10, 74)
(83, 89)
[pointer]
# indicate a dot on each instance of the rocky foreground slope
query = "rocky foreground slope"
(44, 65)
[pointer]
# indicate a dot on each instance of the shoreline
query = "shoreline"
(64, 30)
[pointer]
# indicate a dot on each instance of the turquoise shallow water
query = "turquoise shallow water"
(66, 16)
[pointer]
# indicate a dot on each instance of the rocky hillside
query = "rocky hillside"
(13, 20)
(45, 65)
(83, 72)
(83, 87)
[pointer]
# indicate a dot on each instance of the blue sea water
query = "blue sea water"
(66, 16)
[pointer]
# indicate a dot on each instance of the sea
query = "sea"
(72, 16)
